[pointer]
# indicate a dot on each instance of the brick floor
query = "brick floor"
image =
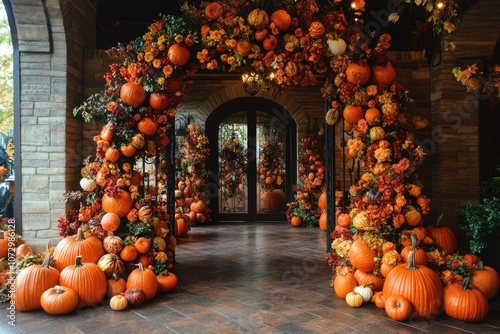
(246, 278)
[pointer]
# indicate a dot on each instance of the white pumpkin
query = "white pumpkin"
(337, 46)
(365, 291)
(87, 184)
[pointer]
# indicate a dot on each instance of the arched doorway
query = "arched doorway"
(250, 124)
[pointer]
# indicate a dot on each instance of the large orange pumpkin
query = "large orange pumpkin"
(59, 300)
(443, 236)
(178, 54)
(87, 279)
(358, 73)
(133, 94)
(90, 249)
(281, 19)
(398, 308)
(144, 279)
(361, 256)
(465, 302)
(353, 114)
(419, 284)
(31, 282)
(121, 204)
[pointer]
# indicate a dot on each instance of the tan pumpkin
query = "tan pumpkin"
(316, 29)
(337, 46)
(377, 133)
(258, 18)
(118, 302)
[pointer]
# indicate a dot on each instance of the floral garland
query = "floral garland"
(311, 181)
(475, 80)
(190, 173)
(234, 162)
(271, 165)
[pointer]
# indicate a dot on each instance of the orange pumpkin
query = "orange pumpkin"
(127, 150)
(213, 11)
(121, 204)
(178, 54)
(31, 282)
(471, 260)
(112, 154)
(128, 253)
(344, 220)
(142, 244)
(443, 236)
(243, 47)
(281, 19)
(111, 265)
(181, 227)
(375, 282)
(361, 256)
(198, 206)
(166, 282)
(419, 253)
(398, 307)
(133, 94)
(87, 279)
(115, 285)
(258, 18)
(384, 75)
(379, 300)
(353, 114)
(59, 300)
(110, 222)
(296, 221)
(270, 43)
(107, 132)
(343, 283)
(147, 126)
(143, 279)
(412, 216)
(373, 116)
(419, 284)
(358, 74)
(486, 279)
(90, 249)
(322, 201)
(24, 249)
(159, 101)
(323, 223)
(261, 34)
(465, 302)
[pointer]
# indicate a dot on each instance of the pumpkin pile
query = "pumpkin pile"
(85, 273)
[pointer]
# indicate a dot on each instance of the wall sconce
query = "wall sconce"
(253, 82)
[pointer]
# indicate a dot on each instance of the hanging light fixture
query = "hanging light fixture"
(253, 82)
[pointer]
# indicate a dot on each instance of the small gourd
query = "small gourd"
(354, 299)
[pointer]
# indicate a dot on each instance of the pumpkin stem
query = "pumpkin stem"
(115, 275)
(414, 241)
(141, 267)
(58, 289)
(465, 284)
(79, 234)
(438, 222)
(480, 265)
(78, 261)
(46, 260)
(411, 261)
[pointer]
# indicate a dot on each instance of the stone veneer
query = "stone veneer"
(59, 68)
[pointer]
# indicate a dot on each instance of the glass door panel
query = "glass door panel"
(270, 164)
(233, 164)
